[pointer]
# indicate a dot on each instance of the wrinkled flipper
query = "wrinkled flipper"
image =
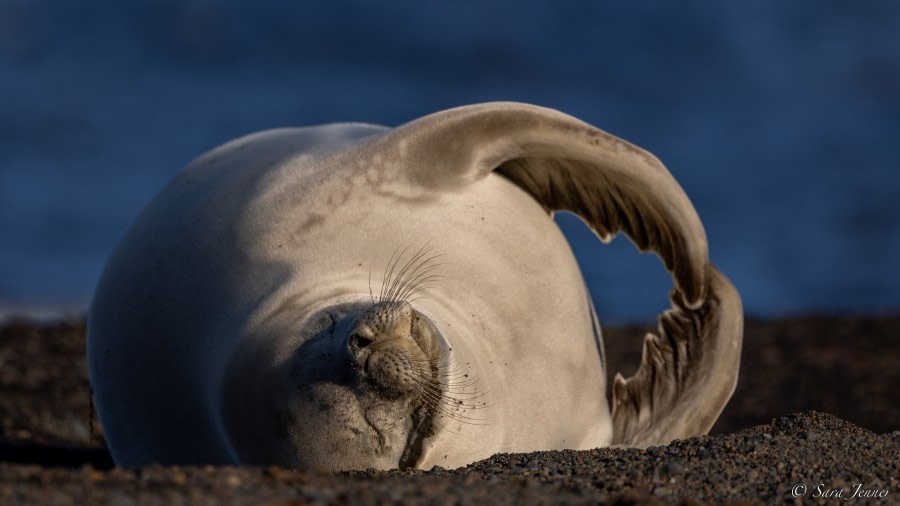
(687, 374)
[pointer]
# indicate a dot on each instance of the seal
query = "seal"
(352, 296)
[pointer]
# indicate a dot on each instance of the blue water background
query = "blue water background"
(780, 119)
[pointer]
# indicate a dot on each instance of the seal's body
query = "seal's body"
(352, 296)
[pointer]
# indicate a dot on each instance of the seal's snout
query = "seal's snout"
(389, 349)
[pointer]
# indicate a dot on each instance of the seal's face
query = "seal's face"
(353, 384)
(364, 387)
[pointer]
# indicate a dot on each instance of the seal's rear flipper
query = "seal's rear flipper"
(565, 165)
(687, 373)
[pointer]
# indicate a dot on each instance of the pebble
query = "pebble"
(703, 470)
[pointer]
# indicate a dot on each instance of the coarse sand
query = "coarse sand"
(814, 420)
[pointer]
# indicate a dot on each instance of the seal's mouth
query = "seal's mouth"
(423, 401)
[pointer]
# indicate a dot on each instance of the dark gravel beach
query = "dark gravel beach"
(816, 415)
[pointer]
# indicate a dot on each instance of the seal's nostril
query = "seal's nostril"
(358, 341)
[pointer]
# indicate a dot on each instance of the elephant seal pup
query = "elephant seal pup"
(242, 319)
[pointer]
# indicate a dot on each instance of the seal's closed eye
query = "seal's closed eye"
(357, 341)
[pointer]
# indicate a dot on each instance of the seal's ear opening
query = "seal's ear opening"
(688, 373)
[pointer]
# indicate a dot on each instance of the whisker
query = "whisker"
(389, 272)
(408, 273)
(416, 270)
(445, 386)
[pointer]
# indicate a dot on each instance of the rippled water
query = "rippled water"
(780, 120)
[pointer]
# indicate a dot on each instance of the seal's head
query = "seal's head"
(361, 390)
